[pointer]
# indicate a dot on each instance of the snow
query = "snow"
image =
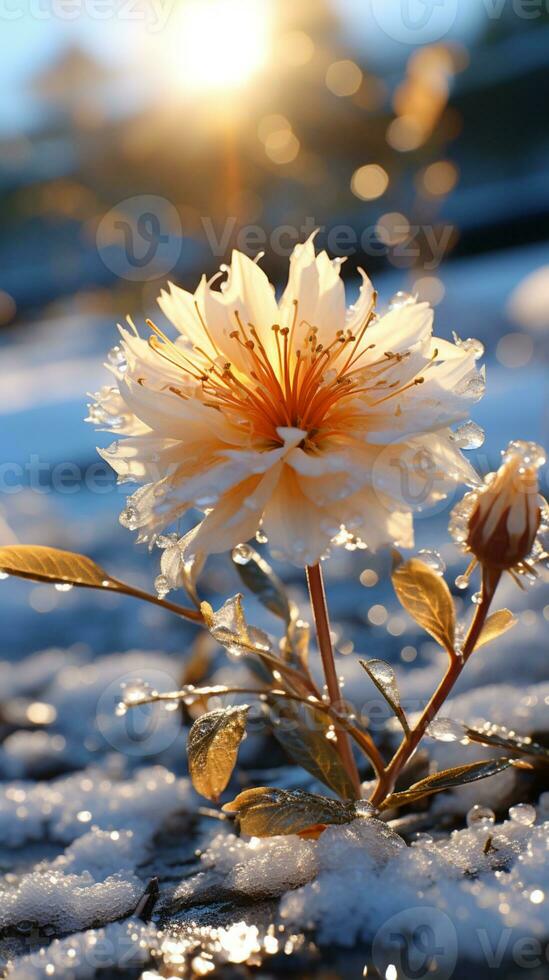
(352, 899)
(122, 945)
(67, 807)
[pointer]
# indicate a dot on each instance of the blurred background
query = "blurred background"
(140, 140)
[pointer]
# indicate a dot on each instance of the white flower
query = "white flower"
(299, 416)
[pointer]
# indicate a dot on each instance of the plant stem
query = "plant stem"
(408, 746)
(322, 624)
(362, 739)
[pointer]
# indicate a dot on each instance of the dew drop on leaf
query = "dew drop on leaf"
(446, 730)
(433, 559)
(162, 586)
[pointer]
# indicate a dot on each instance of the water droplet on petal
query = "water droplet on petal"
(242, 554)
(523, 813)
(401, 299)
(472, 346)
(261, 537)
(480, 816)
(462, 582)
(117, 358)
(468, 435)
(477, 598)
(474, 385)
(3, 575)
(63, 586)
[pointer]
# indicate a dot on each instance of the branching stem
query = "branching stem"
(387, 779)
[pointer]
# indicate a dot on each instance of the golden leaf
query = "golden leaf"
(447, 779)
(304, 738)
(43, 564)
(496, 625)
(52, 565)
(269, 812)
(212, 749)
(427, 598)
(229, 627)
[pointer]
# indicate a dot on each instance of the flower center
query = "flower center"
(309, 387)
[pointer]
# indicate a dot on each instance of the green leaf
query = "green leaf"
(305, 740)
(212, 749)
(266, 812)
(383, 676)
(427, 598)
(447, 779)
(496, 625)
(258, 576)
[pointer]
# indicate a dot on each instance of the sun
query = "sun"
(219, 44)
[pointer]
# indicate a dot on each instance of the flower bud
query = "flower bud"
(499, 523)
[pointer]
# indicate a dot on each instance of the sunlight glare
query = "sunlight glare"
(220, 44)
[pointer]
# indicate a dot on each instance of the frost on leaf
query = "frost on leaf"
(447, 779)
(213, 747)
(427, 598)
(269, 812)
(180, 564)
(383, 676)
(229, 627)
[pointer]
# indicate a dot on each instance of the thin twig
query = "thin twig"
(362, 739)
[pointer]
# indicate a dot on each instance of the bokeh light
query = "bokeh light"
(369, 182)
(344, 77)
